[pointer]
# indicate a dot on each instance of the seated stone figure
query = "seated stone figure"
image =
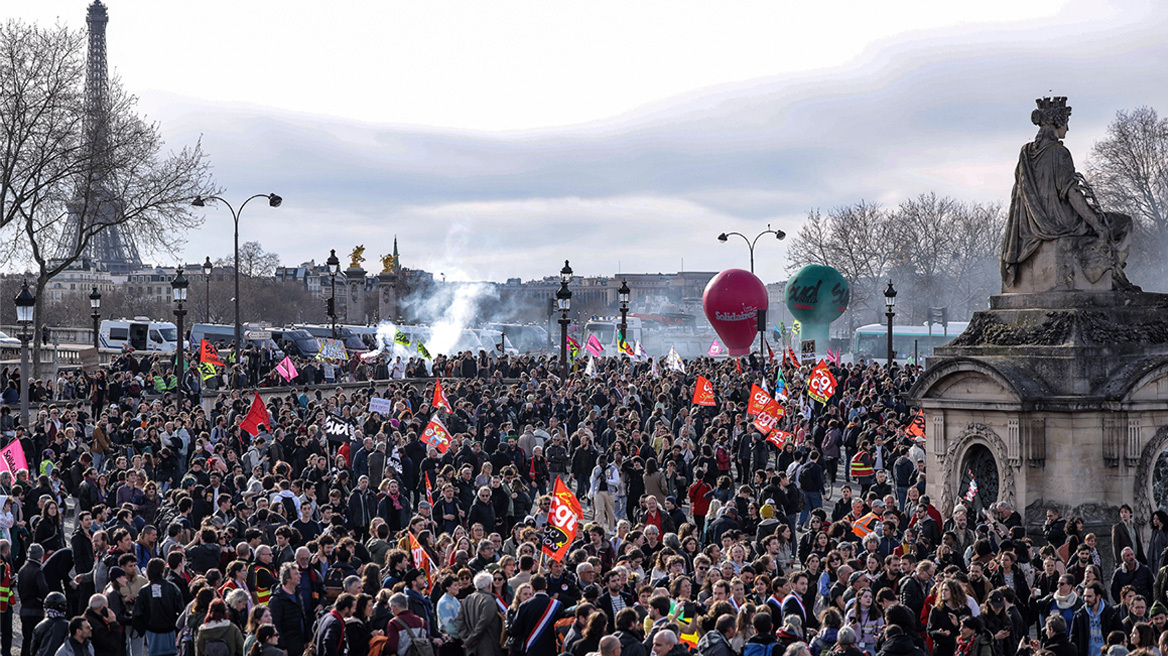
(1057, 237)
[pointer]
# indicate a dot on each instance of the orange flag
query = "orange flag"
(440, 397)
(759, 399)
(421, 559)
(916, 429)
(703, 392)
(562, 522)
(207, 353)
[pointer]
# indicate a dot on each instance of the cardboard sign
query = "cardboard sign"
(382, 406)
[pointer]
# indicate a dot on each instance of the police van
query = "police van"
(140, 334)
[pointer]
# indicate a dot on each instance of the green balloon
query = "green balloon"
(817, 294)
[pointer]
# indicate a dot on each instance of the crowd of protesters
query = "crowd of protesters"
(195, 537)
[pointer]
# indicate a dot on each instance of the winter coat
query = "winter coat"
(224, 629)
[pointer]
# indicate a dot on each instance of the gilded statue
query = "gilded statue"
(357, 257)
(388, 263)
(1057, 236)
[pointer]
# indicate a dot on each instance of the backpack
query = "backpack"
(334, 583)
(722, 454)
(805, 482)
(412, 642)
(217, 647)
(758, 649)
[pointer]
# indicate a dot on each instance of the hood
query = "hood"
(898, 644)
(215, 629)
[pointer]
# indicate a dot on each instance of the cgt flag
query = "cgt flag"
(440, 400)
(916, 429)
(703, 392)
(562, 522)
(779, 438)
(436, 435)
(421, 559)
(208, 354)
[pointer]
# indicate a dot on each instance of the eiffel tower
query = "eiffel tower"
(109, 249)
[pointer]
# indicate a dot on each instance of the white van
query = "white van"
(140, 334)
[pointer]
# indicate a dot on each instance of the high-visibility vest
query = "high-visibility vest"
(861, 467)
(7, 598)
(262, 594)
(865, 525)
(227, 587)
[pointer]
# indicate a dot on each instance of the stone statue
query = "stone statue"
(1057, 237)
(357, 257)
(388, 263)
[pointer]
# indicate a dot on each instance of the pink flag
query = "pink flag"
(715, 349)
(593, 345)
(12, 458)
(287, 369)
(834, 356)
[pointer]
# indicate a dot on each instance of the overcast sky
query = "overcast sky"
(496, 139)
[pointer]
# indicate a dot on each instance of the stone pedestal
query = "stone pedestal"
(387, 301)
(1064, 264)
(1054, 399)
(355, 296)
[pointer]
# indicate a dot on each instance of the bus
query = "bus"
(871, 341)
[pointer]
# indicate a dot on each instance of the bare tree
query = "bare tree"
(1129, 170)
(855, 239)
(104, 165)
(254, 261)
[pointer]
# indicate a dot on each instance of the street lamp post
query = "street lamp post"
(207, 269)
(890, 303)
(179, 285)
(24, 304)
(95, 305)
(761, 316)
(779, 234)
(273, 201)
(334, 267)
(623, 292)
(564, 303)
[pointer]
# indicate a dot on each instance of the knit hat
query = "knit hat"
(1158, 608)
(767, 511)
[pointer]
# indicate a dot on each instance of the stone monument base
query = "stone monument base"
(1054, 399)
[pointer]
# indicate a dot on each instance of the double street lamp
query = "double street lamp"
(95, 305)
(890, 304)
(24, 305)
(201, 201)
(334, 267)
(179, 285)
(623, 292)
(779, 234)
(563, 304)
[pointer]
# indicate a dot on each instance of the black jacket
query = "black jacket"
(157, 607)
(31, 589)
(288, 618)
(49, 635)
(526, 620)
(1081, 626)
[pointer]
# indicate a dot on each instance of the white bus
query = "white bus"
(871, 341)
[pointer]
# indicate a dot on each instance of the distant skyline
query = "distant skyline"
(496, 140)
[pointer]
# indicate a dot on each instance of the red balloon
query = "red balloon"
(731, 301)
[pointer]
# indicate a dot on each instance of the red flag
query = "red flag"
(436, 435)
(779, 438)
(794, 358)
(421, 559)
(821, 384)
(562, 522)
(703, 392)
(258, 414)
(207, 353)
(440, 398)
(768, 417)
(770, 353)
(759, 399)
(738, 363)
(429, 490)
